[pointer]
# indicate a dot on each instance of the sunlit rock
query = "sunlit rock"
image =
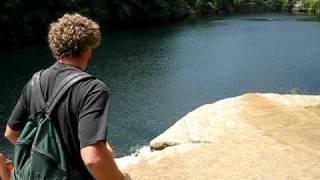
(253, 136)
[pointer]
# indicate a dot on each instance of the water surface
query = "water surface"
(158, 74)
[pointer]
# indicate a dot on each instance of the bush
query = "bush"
(313, 6)
(245, 5)
(205, 6)
(275, 5)
(258, 5)
(287, 6)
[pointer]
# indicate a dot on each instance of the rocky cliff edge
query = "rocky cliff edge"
(253, 136)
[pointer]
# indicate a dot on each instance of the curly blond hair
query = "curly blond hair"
(71, 34)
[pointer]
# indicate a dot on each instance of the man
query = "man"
(81, 116)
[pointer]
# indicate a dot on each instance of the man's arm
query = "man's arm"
(109, 148)
(18, 118)
(11, 135)
(4, 173)
(99, 161)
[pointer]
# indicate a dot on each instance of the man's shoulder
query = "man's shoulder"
(90, 90)
(61, 71)
(93, 83)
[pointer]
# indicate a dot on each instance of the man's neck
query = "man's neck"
(77, 62)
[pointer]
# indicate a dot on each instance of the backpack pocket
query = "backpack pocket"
(39, 153)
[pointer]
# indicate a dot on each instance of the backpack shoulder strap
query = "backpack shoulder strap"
(62, 87)
(36, 89)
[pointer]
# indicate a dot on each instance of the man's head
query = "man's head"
(72, 35)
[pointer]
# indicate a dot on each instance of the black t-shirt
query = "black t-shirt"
(80, 117)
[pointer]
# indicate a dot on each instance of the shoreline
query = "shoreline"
(42, 41)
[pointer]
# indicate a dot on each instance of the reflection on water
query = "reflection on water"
(158, 74)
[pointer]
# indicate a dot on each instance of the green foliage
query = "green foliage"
(274, 5)
(313, 6)
(205, 6)
(145, 11)
(287, 5)
(252, 5)
(245, 5)
(212, 6)
(177, 8)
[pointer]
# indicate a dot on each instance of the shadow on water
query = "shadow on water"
(310, 19)
(16, 68)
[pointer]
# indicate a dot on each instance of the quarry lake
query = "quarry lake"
(158, 74)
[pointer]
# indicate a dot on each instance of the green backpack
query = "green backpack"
(39, 151)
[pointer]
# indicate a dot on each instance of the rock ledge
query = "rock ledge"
(253, 136)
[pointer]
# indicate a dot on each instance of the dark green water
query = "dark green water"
(158, 74)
